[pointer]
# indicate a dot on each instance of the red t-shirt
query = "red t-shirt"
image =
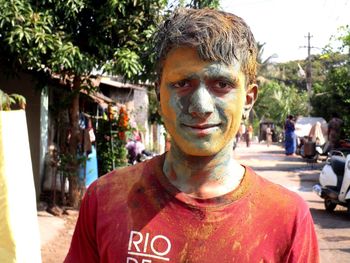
(135, 215)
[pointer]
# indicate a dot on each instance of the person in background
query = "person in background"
(268, 135)
(241, 131)
(196, 202)
(238, 136)
(290, 136)
(334, 132)
(249, 135)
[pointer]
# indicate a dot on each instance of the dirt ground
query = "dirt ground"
(56, 246)
(333, 230)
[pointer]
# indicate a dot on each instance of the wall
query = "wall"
(140, 113)
(25, 86)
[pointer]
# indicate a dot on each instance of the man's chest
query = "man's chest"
(178, 236)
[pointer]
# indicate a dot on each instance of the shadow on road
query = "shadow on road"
(337, 238)
(326, 220)
(307, 179)
(274, 160)
(316, 202)
(346, 250)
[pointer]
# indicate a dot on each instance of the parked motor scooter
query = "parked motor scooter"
(334, 180)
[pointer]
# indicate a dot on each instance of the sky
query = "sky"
(284, 24)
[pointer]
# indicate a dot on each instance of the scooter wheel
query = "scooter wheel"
(329, 205)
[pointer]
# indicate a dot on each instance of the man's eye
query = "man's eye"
(182, 84)
(222, 85)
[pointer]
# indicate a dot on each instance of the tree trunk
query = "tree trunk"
(74, 187)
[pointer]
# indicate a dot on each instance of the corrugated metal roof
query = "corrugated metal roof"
(118, 84)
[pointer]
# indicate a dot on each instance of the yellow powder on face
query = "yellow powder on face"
(184, 63)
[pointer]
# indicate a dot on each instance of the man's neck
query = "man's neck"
(203, 176)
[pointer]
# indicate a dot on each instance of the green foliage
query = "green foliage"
(333, 95)
(153, 113)
(288, 73)
(263, 63)
(125, 61)
(281, 91)
(345, 38)
(111, 151)
(204, 3)
(73, 38)
(8, 101)
(65, 161)
(112, 136)
(197, 4)
(276, 101)
(76, 36)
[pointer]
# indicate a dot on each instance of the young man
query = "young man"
(195, 203)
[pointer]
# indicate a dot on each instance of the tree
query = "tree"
(204, 3)
(276, 101)
(72, 38)
(197, 4)
(263, 63)
(334, 95)
(279, 91)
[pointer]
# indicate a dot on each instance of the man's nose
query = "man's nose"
(201, 103)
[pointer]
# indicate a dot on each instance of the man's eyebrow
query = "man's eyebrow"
(218, 72)
(192, 76)
(189, 76)
(227, 76)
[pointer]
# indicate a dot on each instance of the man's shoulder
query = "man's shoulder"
(128, 173)
(123, 179)
(279, 197)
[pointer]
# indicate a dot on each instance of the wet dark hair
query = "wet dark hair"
(217, 36)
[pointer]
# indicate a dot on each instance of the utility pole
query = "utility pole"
(308, 72)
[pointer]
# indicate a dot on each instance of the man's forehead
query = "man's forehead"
(185, 56)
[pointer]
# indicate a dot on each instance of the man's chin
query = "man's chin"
(200, 150)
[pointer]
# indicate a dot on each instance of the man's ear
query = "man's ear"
(251, 96)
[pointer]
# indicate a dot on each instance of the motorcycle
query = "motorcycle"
(334, 181)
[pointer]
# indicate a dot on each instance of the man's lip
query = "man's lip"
(202, 125)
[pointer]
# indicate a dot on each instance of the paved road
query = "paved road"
(333, 230)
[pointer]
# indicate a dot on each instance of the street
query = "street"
(333, 230)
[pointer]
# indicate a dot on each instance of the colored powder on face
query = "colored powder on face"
(177, 106)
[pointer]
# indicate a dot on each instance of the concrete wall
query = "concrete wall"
(25, 86)
(140, 113)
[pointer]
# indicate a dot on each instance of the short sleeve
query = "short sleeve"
(83, 247)
(305, 245)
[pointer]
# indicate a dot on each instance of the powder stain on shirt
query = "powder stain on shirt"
(236, 246)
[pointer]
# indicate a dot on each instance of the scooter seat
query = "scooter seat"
(338, 165)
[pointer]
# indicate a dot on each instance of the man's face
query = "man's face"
(201, 102)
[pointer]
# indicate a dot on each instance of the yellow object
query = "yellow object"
(19, 229)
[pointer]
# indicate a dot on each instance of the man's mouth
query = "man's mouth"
(202, 128)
